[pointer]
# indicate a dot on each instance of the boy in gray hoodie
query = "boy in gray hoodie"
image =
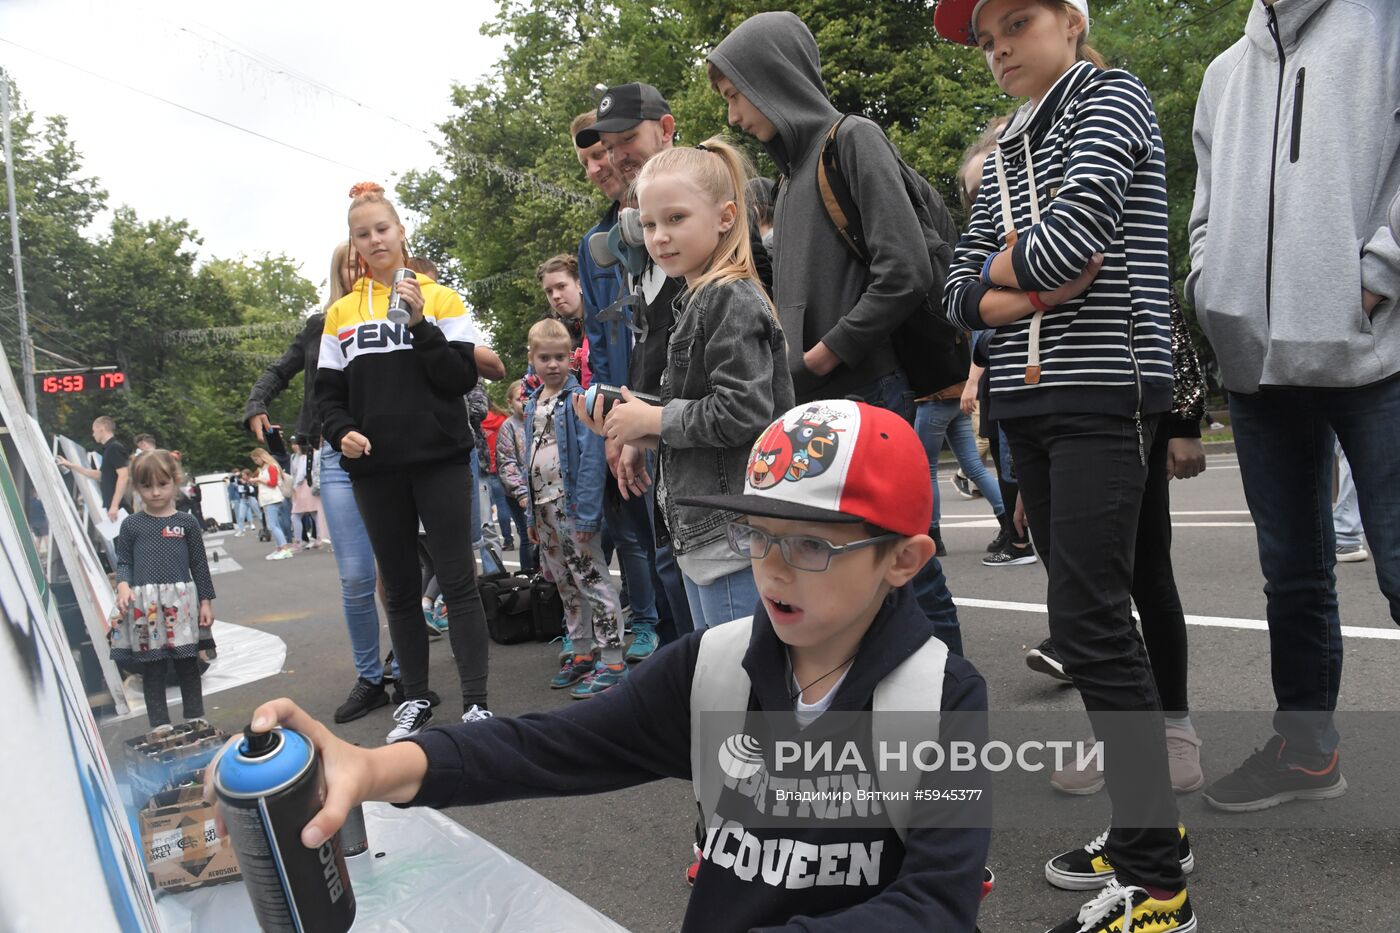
(836, 313)
(838, 316)
(1295, 278)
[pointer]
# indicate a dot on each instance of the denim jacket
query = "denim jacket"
(580, 460)
(726, 380)
(610, 344)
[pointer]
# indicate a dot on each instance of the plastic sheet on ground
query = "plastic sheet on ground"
(434, 875)
(245, 655)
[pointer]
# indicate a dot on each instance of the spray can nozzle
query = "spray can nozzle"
(257, 744)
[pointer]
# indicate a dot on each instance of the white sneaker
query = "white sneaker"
(410, 719)
(477, 714)
(238, 533)
(1351, 553)
(275, 555)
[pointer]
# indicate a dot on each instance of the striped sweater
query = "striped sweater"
(1100, 177)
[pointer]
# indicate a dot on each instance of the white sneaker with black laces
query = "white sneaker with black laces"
(477, 714)
(411, 718)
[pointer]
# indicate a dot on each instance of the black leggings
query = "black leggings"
(1154, 586)
(1010, 490)
(391, 505)
(153, 681)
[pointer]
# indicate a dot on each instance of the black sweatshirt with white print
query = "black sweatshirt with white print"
(1100, 177)
(639, 731)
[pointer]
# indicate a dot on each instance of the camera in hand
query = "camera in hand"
(275, 444)
(399, 311)
(611, 395)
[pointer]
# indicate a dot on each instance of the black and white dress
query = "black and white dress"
(162, 559)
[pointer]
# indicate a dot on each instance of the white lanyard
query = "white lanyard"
(1033, 341)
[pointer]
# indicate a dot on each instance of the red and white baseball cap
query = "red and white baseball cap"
(953, 19)
(836, 461)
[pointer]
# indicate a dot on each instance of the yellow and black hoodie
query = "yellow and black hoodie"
(402, 388)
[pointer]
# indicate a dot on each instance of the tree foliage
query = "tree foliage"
(880, 59)
(120, 297)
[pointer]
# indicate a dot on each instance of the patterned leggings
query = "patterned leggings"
(581, 574)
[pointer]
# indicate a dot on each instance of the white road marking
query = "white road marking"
(1255, 625)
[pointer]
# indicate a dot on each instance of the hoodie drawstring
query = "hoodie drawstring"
(1033, 342)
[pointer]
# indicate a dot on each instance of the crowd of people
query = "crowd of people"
(761, 456)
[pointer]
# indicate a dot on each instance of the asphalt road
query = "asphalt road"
(1330, 866)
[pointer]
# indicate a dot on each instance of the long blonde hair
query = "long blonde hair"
(719, 171)
(344, 257)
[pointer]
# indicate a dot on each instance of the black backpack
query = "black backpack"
(933, 352)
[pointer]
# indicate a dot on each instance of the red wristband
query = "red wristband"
(1037, 302)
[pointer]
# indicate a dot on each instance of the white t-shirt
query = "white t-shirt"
(807, 713)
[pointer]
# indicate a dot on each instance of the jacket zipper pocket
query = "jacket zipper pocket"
(1297, 115)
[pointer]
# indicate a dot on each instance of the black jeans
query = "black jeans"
(1154, 586)
(392, 504)
(1082, 481)
(153, 681)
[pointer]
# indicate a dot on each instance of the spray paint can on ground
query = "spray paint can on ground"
(399, 312)
(270, 786)
(353, 839)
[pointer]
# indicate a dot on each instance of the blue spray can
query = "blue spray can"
(270, 786)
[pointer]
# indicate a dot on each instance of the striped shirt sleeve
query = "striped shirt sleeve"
(962, 293)
(1112, 137)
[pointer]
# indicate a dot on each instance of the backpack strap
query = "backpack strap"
(915, 686)
(836, 197)
(719, 687)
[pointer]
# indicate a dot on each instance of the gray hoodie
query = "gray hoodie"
(1279, 257)
(822, 292)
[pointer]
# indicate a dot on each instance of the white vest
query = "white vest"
(721, 687)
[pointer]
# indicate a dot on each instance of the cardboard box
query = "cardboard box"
(182, 850)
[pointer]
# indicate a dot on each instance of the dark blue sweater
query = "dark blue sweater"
(640, 731)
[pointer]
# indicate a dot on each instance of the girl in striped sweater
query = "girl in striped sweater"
(1065, 258)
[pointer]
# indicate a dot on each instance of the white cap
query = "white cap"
(1081, 5)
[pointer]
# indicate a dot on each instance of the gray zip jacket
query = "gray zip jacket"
(823, 293)
(725, 381)
(1297, 139)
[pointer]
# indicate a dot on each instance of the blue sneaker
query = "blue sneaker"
(566, 647)
(603, 678)
(437, 618)
(574, 670)
(434, 630)
(644, 642)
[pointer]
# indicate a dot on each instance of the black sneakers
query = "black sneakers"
(1000, 542)
(1117, 909)
(1088, 868)
(1011, 556)
(364, 696)
(1266, 780)
(1045, 659)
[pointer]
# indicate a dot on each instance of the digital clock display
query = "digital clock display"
(70, 383)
